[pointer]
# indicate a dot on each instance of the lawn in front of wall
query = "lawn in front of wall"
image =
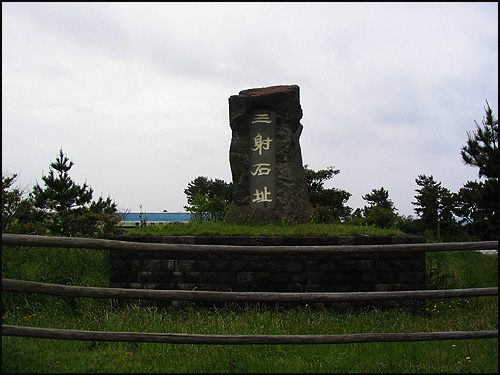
(463, 269)
(47, 355)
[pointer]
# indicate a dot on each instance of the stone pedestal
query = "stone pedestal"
(266, 163)
(278, 272)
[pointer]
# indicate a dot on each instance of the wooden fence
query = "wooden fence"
(117, 293)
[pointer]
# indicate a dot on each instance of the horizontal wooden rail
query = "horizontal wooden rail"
(92, 243)
(179, 338)
(187, 295)
(116, 293)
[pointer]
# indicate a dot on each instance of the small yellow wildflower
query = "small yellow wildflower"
(453, 345)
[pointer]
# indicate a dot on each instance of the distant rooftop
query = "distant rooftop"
(161, 217)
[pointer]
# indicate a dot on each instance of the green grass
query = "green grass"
(288, 230)
(89, 267)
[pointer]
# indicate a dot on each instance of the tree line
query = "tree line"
(62, 207)
(469, 214)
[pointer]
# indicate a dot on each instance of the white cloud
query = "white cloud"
(137, 93)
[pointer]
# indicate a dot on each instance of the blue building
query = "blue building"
(133, 219)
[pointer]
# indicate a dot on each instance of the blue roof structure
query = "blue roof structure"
(165, 217)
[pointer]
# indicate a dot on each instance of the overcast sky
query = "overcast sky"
(136, 94)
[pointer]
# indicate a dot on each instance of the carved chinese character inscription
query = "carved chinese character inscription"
(262, 177)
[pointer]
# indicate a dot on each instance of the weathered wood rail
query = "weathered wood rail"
(99, 244)
(195, 295)
(179, 338)
(116, 293)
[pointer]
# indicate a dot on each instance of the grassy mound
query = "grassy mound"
(282, 230)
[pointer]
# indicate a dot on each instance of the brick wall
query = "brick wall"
(269, 273)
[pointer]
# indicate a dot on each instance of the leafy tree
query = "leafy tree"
(208, 208)
(11, 199)
(18, 214)
(381, 217)
(329, 204)
(316, 179)
(357, 214)
(209, 188)
(68, 208)
(208, 200)
(106, 218)
(380, 210)
(478, 205)
(409, 225)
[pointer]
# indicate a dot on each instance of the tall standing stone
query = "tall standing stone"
(266, 163)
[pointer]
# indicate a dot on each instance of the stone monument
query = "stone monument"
(269, 179)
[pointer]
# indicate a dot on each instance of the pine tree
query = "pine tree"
(379, 198)
(481, 150)
(61, 193)
(434, 204)
(479, 199)
(68, 207)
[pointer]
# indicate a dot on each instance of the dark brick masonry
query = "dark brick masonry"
(269, 273)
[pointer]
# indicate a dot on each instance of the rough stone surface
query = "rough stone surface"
(291, 200)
